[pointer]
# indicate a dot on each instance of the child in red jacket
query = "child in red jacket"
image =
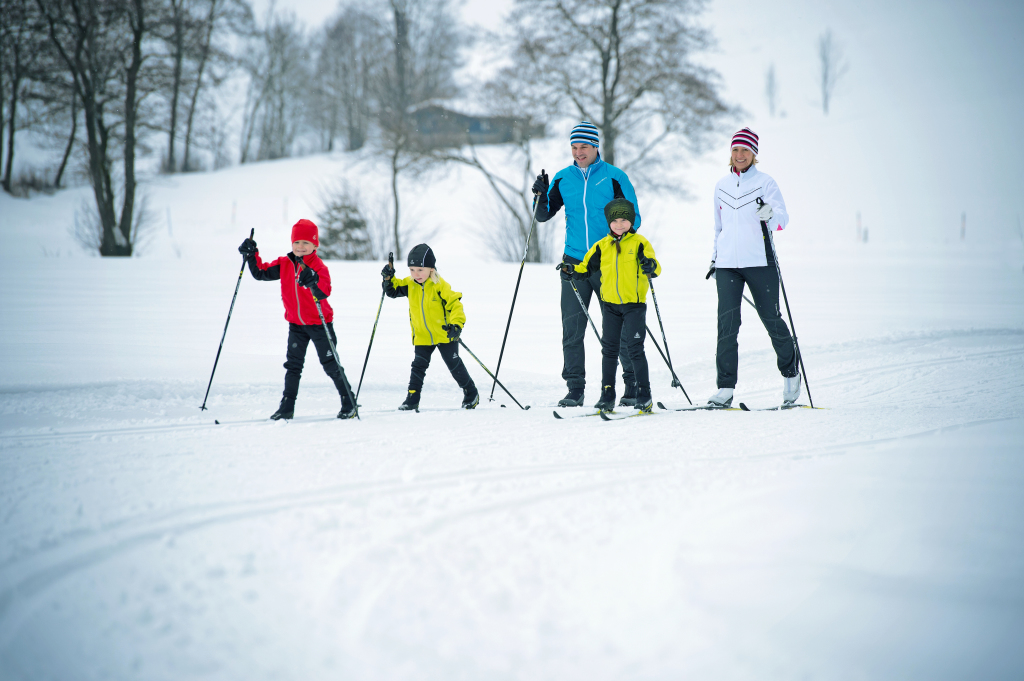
(303, 275)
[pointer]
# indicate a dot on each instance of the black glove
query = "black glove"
(454, 331)
(565, 270)
(711, 272)
(388, 271)
(648, 265)
(308, 278)
(248, 248)
(540, 185)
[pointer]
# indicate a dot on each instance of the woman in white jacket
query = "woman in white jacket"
(744, 254)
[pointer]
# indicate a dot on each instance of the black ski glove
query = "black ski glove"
(540, 185)
(711, 272)
(388, 271)
(248, 248)
(454, 331)
(565, 270)
(648, 266)
(308, 278)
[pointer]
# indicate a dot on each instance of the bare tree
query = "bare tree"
(833, 66)
(350, 51)
(278, 84)
(101, 44)
(625, 65)
(423, 52)
(771, 89)
(22, 44)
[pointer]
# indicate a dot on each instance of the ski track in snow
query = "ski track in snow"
(141, 540)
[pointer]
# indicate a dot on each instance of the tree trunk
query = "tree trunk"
(15, 84)
(394, 193)
(179, 56)
(210, 20)
(138, 23)
(71, 141)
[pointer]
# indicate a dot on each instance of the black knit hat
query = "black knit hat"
(421, 256)
(620, 208)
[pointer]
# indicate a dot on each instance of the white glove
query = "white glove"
(765, 213)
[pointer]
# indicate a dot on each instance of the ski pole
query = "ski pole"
(391, 261)
(580, 298)
(675, 382)
(526, 252)
(220, 347)
(334, 350)
(799, 357)
(492, 375)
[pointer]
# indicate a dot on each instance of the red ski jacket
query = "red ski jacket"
(299, 307)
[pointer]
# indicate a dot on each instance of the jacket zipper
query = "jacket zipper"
(423, 295)
(617, 291)
(586, 219)
(298, 305)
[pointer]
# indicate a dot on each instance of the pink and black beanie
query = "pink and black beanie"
(745, 138)
(585, 133)
(305, 230)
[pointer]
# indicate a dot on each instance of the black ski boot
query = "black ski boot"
(286, 411)
(412, 401)
(348, 410)
(573, 399)
(470, 397)
(643, 400)
(607, 401)
(629, 395)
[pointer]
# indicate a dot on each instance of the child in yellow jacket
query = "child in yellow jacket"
(437, 318)
(625, 260)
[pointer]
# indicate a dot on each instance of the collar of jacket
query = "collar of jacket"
(746, 173)
(585, 172)
(295, 259)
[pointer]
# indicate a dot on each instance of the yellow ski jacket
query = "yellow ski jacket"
(431, 305)
(622, 281)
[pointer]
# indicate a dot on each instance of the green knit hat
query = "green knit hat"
(620, 208)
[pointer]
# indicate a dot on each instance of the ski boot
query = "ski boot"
(573, 399)
(791, 389)
(286, 411)
(629, 395)
(607, 401)
(722, 399)
(348, 410)
(412, 402)
(470, 396)
(643, 399)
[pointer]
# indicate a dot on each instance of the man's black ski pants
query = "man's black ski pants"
(763, 283)
(574, 329)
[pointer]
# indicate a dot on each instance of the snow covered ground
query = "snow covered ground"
(879, 538)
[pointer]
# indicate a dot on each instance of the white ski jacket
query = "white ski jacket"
(738, 238)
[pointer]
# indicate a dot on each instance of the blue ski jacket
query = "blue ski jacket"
(584, 193)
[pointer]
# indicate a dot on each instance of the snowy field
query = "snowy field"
(879, 538)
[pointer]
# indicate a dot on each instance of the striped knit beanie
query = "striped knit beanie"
(745, 138)
(586, 133)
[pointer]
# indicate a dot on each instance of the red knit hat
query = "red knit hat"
(305, 230)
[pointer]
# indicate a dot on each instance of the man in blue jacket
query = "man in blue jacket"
(584, 188)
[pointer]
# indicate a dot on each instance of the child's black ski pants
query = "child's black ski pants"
(450, 355)
(299, 336)
(624, 327)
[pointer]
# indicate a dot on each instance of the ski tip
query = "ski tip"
(503, 406)
(216, 422)
(526, 407)
(661, 406)
(556, 415)
(744, 407)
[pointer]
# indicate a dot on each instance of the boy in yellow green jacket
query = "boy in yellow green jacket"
(437, 318)
(625, 260)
